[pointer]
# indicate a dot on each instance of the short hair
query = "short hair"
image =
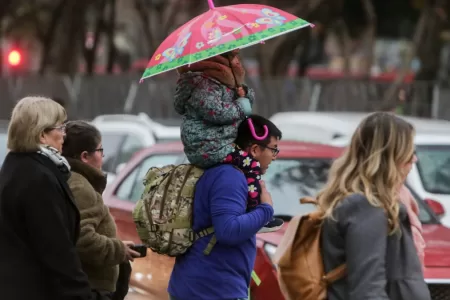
(80, 136)
(30, 118)
(245, 137)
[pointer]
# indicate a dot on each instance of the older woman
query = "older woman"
(100, 250)
(39, 221)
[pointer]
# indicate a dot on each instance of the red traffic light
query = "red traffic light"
(14, 58)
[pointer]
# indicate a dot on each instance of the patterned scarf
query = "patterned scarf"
(229, 72)
(56, 158)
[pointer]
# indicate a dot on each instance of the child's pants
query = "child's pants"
(252, 170)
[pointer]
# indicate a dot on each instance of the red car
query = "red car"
(300, 170)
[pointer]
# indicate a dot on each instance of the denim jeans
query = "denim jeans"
(173, 298)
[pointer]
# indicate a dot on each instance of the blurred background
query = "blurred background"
(362, 55)
(315, 84)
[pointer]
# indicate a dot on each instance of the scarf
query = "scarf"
(413, 213)
(54, 155)
(228, 71)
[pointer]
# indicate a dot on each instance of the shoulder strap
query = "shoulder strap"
(212, 241)
(335, 274)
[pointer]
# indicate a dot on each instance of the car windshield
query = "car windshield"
(433, 163)
(111, 143)
(288, 180)
(3, 148)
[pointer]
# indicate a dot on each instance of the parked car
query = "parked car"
(3, 140)
(429, 177)
(151, 274)
(300, 170)
(295, 182)
(123, 135)
(324, 127)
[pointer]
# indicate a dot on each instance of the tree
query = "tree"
(427, 46)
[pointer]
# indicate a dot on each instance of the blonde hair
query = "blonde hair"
(371, 165)
(30, 118)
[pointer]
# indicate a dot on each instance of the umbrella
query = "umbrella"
(219, 30)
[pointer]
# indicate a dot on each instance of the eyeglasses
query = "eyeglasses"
(275, 151)
(61, 128)
(99, 150)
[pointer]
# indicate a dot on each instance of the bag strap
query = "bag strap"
(335, 274)
(308, 200)
(212, 241)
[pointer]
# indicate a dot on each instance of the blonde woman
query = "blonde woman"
(365, 225)
(39, 222)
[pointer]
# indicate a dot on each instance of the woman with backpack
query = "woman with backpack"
(365, 224)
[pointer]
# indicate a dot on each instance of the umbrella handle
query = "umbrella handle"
(252, 130)
(211, 4)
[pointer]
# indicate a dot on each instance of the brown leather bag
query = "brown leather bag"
(299, 261)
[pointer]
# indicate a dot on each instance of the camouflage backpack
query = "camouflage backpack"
(163, 216)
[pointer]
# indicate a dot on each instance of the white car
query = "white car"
(124, 135)
(429, 177)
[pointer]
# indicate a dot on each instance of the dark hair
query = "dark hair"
(245, 137)
(80, 136)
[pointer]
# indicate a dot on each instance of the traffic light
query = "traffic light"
(14, 58)
(14, 62)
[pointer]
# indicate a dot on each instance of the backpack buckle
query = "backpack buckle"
(192, 236)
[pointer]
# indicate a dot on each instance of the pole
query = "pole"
(211, 4)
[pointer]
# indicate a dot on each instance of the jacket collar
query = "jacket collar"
(95, 177)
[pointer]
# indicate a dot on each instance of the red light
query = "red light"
(14, 58)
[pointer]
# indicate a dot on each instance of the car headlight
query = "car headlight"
(270, 250)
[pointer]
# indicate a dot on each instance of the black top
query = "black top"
(39, 227)
(380, 266)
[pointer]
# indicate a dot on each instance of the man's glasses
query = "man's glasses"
(275, 151)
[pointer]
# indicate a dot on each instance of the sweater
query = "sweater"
(379, 266)
(98, 247)
(220, 201)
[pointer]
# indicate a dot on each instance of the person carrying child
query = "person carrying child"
(211, 97)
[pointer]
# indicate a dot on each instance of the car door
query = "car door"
(131, 144)
(130, 190)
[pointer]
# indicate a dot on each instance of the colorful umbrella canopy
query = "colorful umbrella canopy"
(219, 30)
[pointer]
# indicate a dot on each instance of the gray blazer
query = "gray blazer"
(380, 266)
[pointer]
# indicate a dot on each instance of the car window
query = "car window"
(126, 186)
(111, 143)
(424, 214)
(132, 187)
(131, 145)
(3, 147)
(433, 163)
(288, 180)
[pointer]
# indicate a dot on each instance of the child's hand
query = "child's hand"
(241, 92)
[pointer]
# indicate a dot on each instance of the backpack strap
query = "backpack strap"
(212, 241)
(335, 274)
